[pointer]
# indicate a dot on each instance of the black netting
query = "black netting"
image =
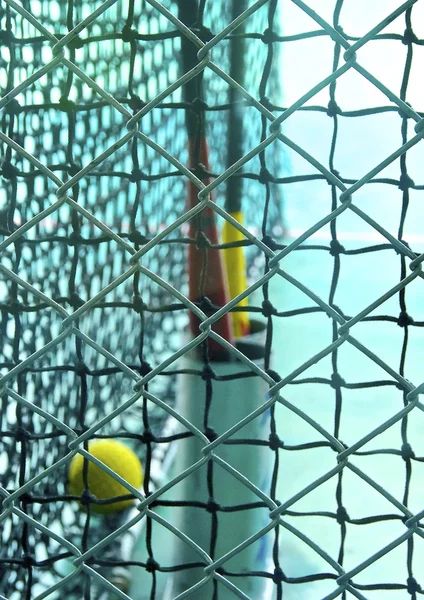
(133, 53)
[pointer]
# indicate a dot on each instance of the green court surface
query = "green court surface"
(296, 338)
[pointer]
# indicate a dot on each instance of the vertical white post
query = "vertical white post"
(232, 400)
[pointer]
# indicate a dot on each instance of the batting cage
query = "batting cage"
(211, 299)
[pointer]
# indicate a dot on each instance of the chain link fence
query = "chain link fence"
(94, 284)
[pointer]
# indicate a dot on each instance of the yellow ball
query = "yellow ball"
(118, 457)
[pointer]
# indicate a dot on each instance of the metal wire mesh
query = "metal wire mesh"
(94, 275)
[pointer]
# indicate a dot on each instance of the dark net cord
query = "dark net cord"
(23, 567)
(86, 382)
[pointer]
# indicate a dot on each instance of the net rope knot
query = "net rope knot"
(264, 176)
(202, 240)
(337, 381)
(407, 452)
(7, 37)
(76, 43)
(336, 248)
(341, 515)
(278, 575)
(128, 34)
(413, 586)
(75, 238)
(333, 109)
(207, 373)
(67, 105)
(137, 175)
(409, 37)
(405, 182)
(269, 36)
(212, 506)
(81, 368)
(274, 442)
(136, 103)
(270, 242)
(8, 170)
(404, 319)
(152, 565)
(28, 560)
(138, 303)
(13, 107)
(148, 436)
(211, 434)
(73, 169)
(268, 309)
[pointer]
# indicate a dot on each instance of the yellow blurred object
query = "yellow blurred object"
(235, 264)
(118, 457)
